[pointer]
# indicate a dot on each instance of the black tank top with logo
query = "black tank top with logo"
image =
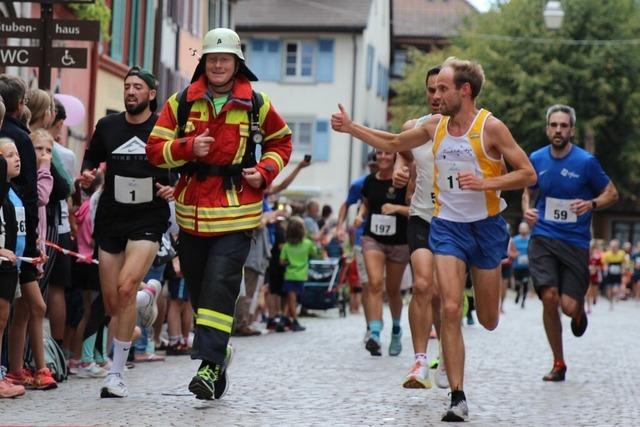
(385, 229)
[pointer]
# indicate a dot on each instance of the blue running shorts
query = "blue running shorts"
(482, 243)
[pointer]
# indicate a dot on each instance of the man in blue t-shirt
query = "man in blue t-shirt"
(571, 184)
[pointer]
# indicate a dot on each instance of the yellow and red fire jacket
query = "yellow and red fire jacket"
(204, 207)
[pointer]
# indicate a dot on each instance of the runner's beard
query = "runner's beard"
(559, 145)
(137, 108)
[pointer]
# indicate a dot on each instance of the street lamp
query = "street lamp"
(553, 15)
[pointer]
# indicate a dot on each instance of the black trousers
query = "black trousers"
(212, 269)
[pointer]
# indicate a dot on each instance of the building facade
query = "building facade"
(309, 56)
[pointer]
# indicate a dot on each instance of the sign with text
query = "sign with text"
(20, 56)
(68, 57)
(64, 29)
(22, 28)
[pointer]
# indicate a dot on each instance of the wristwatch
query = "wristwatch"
(594, 205)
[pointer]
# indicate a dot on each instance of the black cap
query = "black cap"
(149, 79)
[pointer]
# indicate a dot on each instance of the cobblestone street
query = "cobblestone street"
(324, 377)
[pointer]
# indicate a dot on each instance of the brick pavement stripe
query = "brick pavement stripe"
(324, 377)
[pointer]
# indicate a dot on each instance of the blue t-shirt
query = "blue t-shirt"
(522, 245)
(354, 196)
(578, 175)
(21, 240)
(270, 227)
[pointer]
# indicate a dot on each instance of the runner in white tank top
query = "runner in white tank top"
(424, 309)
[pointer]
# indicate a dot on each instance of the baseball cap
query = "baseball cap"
(149, 79)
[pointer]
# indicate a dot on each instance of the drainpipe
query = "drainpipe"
(353, 106)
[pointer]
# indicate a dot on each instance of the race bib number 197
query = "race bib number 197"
(383, 225)
(559, 210)
(132, 191)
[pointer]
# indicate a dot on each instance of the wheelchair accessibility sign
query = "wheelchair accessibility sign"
(68, 57)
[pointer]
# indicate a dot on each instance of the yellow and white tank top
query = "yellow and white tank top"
(455, 154)
(422, 201)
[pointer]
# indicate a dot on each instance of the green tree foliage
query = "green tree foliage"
(529, 68)
(97, 11)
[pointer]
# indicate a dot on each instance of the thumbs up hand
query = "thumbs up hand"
(340, 121)
(202, 144)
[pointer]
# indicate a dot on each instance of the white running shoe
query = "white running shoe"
(147, 313)
(114, 386)
(442, 381)
(418, 376)
(91, 371)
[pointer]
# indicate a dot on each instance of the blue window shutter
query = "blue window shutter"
(321, 141)
(148, 35)
(265, 59)
(370, 55)
(117, 29)
(324, 61)
(273, 60)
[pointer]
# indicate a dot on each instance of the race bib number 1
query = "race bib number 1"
(448, 174)
(559, 210)
(383, 225)
(132, 191)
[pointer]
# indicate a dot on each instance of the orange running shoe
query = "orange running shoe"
(23, 377)
(44, 380)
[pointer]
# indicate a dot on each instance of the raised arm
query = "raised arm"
(381, 140)
(276, 188)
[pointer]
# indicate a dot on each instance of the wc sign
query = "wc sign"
(20, 56)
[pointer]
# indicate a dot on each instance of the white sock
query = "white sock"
(120, 353)
(175, 340)
(143, 299)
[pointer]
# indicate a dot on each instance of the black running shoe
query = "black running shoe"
(373, 346)
(221, 384)
(202, 385)
(457, 411)
(556, 374)
(578, 328)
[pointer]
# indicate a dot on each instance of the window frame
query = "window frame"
(297, 153)
(298, 77)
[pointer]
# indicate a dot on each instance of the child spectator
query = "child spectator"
(43, 145)
(295, 256)
(10, 248)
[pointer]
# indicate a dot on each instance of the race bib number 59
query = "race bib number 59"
(132, 191)
(559, 210)
(383, 225)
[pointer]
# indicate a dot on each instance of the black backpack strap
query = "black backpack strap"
(184, 108)
(255, 133)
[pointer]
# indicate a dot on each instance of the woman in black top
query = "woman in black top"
(385, 249)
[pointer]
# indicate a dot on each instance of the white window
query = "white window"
(299, 60)
(302, 129)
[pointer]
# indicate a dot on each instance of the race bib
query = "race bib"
(383, 225)
(21, 221)
(615, 269)
(132, 191)
(448, 174)
(559, 210)
(523, 260)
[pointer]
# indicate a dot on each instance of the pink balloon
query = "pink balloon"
(73, 107)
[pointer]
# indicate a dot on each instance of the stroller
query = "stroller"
(320, 291)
